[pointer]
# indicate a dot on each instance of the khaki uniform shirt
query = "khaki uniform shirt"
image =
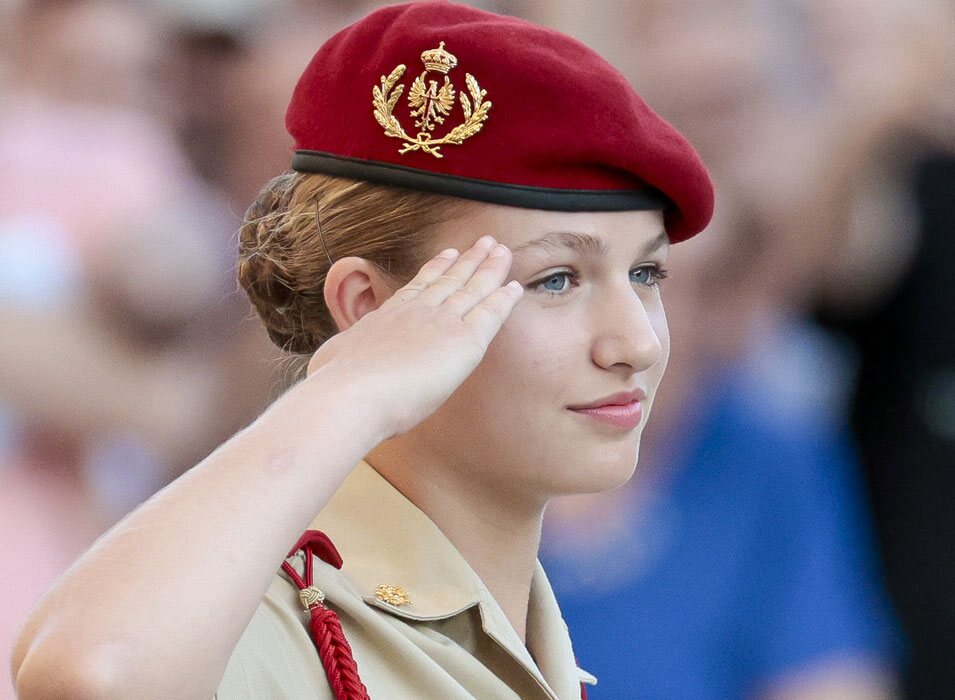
(450, 641)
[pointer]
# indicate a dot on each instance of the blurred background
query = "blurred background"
(790, 530)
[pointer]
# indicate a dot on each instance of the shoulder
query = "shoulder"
(275, 657)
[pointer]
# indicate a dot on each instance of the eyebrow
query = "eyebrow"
(584, 243)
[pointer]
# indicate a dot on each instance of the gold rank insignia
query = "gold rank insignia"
(430, 104)
(393, 595)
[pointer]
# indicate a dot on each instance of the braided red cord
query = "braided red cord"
(326, 630)
(333, 648)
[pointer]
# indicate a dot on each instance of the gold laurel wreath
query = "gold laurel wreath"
(385, 99)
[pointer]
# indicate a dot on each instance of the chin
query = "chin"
(597, 471)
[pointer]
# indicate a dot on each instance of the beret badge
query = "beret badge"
(430, 104)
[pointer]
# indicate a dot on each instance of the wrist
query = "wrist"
(333, 402)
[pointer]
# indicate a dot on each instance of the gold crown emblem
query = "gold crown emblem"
(438, 59)
(431, 104)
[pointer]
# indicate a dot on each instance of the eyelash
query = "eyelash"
(658, 273)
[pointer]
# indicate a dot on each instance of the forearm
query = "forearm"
(156, 606)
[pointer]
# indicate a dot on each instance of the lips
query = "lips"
(622, 410)
(621, 398)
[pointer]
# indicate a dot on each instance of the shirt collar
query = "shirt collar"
(386, 540)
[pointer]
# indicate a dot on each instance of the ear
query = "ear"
(353, 287)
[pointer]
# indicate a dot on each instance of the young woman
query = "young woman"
(449, 395)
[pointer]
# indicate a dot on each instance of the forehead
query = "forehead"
(520, 228)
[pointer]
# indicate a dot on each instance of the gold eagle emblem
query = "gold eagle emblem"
(430, 104)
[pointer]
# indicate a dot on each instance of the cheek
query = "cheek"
(532, 355)
(658, 320)
(661, 328)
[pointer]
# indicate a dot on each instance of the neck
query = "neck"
(497, 535)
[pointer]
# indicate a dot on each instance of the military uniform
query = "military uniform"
(419, 620)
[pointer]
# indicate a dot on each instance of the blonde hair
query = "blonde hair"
(283, 262)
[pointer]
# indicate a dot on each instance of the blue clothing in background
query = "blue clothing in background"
(751, 559)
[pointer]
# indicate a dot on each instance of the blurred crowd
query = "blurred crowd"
(787, 534)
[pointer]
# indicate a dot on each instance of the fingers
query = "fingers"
(488, 277)
(465, 274)
(461, 282)
(487, 317)
(429, 272)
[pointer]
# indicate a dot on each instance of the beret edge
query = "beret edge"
(491, 192)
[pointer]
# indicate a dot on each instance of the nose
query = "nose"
(624, 337)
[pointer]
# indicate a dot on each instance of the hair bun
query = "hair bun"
(283, 262)
(266, 268)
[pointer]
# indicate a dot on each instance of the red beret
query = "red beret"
(450, 99)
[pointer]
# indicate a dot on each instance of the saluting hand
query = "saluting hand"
(417, 347)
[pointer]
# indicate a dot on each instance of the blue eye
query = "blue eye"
(649, 275)
(556, 283)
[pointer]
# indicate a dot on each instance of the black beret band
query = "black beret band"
(551, 199)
